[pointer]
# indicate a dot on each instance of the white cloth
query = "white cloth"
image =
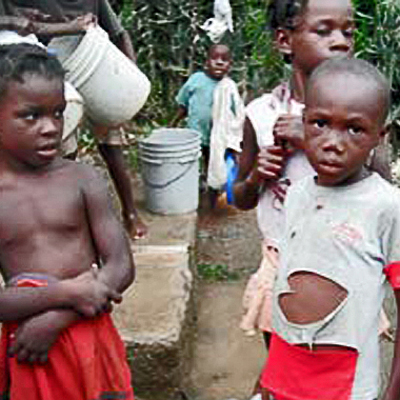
(222, 21)
(227, 129)
(11, 37)
(263, 112)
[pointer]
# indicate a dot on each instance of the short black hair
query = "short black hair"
(283, 13)
(215, 45)
(18, 60)
(359, 69)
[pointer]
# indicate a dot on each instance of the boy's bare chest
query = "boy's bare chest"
(29, 208)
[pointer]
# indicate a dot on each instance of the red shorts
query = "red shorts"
(88, 361)
(297, 373)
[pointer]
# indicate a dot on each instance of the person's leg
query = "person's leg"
(267, 339)
(205, 158)
(257, 387)
(114, 159)
(212, 194)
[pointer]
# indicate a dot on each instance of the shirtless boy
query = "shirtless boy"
(56, 222)
(54, 18)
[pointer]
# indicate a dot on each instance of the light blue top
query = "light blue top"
(196, 95)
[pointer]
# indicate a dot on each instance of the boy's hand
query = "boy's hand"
(269, 167)
(289, 132)
(90, 296)
(35, 336)
(83, 22)
(279, 189)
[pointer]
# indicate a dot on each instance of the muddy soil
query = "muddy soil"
(226, 362)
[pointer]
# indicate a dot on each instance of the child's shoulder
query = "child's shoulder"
(270, 100)
(77, 171)
(197, 76)
(264, 99)
(374, 191)
(385, 192)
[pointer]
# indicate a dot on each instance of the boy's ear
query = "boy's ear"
(385, 131)
(283, 41)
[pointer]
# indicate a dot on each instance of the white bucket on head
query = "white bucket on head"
(170, 170)
(112, 86)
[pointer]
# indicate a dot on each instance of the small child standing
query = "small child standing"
(306, 34)
(56, 222)
(213, 107)
(272, 156)
(341, 237)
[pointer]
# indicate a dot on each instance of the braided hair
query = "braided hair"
(18, 60)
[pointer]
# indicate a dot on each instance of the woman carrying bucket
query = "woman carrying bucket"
(54, 18)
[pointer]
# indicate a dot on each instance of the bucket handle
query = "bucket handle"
(181, 161)
(167, 183)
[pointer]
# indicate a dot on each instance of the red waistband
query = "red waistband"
(297, 373)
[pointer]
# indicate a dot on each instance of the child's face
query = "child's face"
(343, 122)
(31, 115)
(325, 31)
(218, 62)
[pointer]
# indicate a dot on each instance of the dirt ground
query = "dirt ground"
(226, 362)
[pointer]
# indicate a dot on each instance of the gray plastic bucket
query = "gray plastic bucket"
(170, 170)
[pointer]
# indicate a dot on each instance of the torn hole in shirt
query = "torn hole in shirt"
(312, 298)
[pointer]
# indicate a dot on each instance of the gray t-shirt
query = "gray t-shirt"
(347, 234)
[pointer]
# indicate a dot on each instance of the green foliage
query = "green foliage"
(217, 272)
(378, 40)
(86, 140)
(171, 45)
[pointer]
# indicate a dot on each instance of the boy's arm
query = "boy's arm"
(393, 389)
(180, 114)
(257, 167)
(73, 27)
(35, 336)
(111, 244)
(390, 242)
(124, 43)
(83, 293)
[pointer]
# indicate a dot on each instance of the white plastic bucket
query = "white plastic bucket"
(112, 86)
(73, 115)
(170, 170)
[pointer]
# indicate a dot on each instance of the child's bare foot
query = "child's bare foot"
(135, 227)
